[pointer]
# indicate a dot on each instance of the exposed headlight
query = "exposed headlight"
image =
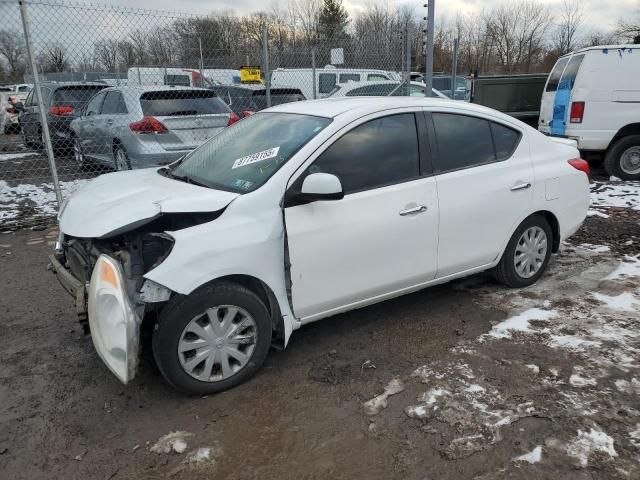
(115, 327)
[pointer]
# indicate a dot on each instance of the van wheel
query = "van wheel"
(527, 254)
(212, 339)
(623, 158)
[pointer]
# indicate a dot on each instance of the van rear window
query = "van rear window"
(554, 76)
(570, 73)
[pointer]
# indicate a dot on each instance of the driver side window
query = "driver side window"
(377, 153)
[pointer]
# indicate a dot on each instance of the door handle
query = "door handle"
(521, 186)
(413, 210)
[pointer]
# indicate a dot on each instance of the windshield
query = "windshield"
(244, 156)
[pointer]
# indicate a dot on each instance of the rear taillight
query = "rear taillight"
(61, 110)
(580, 164)
(148, 125)
(10, 110)
(248, 113)
(577, 112)
(233, 118)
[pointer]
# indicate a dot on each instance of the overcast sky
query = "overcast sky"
(601, 14)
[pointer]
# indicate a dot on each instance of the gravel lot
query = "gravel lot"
(465, 380)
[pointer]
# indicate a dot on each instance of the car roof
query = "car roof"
(333, 107)
(256, 86)
(140, 89)
(604, 47)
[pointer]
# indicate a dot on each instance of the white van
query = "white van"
(592, 96)
(326, 78)
(184, 77)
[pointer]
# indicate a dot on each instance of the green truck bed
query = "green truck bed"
(515, 95)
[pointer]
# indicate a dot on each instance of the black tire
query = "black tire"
(120, 150)
(182, 309)
(505, 272)
(613, 159)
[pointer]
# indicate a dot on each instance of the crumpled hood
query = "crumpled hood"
(115, 200)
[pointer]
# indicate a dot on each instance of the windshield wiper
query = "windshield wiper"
(182, 178)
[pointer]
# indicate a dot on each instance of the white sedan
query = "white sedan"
(303, 211)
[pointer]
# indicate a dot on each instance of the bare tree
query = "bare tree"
(13, 49)
(518, 32)
(106, 53)
(57, 60)
(629, 28)
(567, 33)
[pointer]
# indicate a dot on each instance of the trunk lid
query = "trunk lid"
(190, 131)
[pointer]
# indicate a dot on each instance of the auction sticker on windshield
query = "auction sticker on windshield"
(256, 157)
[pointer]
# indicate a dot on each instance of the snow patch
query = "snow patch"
(625, 302)
(379, 403)
(171, 442)
(589, 442)
(629, 267)
(635, 436)
(534, 456)
(578, 381)
(595, 248)
(626, 386)
(200, 456)
(13, 156)
(520, 322)
(623, 194)
(534, 368)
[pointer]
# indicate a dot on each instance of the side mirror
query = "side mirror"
(19, 106)
(321, 186)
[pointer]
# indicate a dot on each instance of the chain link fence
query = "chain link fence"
(87, 90)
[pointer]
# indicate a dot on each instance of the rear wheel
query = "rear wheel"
(623, 158)
(527, 253)
(120, 158)
(213, 339)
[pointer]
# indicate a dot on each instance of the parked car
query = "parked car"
(247, 99)
(63, 102)
(18, 91)
(592, 97)
(381, 89)
(8, 114)
(262, 229)
(133, 127)
(326, 78)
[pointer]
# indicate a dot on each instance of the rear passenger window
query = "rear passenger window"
(505, 140)
(113, 104)
(462, 141)
(380, 152)
(326, 82)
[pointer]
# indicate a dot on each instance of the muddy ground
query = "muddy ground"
(536, 383)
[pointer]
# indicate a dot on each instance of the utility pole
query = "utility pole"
(428, 78)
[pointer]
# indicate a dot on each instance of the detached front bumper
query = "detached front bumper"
(73, 286)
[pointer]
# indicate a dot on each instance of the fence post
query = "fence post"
(454, 68)
(407, 42)
(313, 71)
(428, 79)
(38, 92)
(265, 65)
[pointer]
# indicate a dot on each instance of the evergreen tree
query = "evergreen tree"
(333, 21)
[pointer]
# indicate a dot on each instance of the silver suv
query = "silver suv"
(136, 127)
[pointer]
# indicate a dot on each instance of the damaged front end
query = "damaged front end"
(105, 278)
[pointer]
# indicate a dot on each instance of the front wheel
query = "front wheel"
(623, 158)
(527, 253)
(213, 339)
